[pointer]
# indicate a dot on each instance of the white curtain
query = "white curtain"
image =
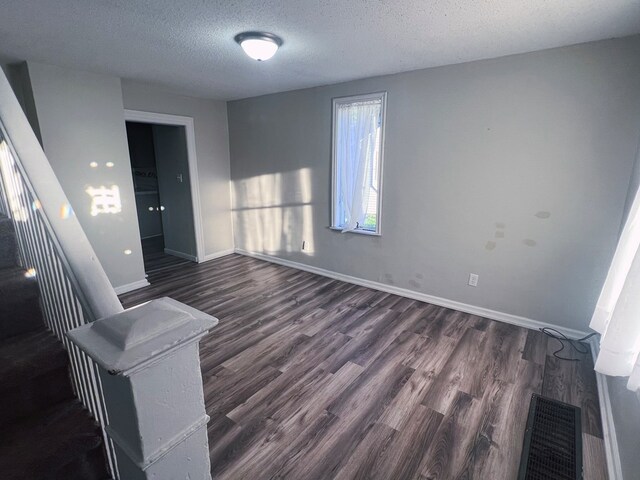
(617, 313)
(357, 126)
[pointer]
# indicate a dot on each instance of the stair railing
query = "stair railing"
(74, 289)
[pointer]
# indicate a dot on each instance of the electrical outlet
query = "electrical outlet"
(473, 279)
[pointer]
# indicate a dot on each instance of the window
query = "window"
(358, 134)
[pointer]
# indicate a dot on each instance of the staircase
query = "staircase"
(45, 432)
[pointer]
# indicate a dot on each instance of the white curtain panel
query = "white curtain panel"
(617, 313)
(356, 138)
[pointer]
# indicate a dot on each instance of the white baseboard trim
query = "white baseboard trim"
(222, 253)
(129, 287)
(176, 253)
(422, 297)
(611, 451)
(608, 428)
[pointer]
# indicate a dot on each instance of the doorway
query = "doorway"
(162, 179)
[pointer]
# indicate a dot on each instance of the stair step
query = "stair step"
(45, 433)
(20, 306)
(34, 375)
(62, 442)
(8, 245)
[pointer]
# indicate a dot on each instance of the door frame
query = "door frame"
(186, 122)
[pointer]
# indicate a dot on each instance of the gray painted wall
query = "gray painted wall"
(172, 160)
(625, 406)
(469, 148)
(81, 120)
(634, 183)
(212, 150)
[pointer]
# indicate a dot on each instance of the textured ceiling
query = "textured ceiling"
(187, 46)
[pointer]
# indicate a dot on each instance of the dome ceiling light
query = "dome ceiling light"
(259, 45)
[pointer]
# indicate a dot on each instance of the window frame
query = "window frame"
(383, 110)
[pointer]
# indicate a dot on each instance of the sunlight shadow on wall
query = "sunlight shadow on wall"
(273, 212)
(104, 200)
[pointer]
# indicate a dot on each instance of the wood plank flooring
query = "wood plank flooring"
(306, 377)
(154, 257)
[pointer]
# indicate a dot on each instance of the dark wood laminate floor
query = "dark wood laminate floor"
(154, 257)
(311, 378)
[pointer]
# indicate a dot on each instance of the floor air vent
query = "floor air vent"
(552, 442)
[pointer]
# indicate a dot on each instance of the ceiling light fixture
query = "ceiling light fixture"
(259, 45)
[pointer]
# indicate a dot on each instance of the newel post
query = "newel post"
(149, 366)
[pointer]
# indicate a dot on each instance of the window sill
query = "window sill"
(360, 232)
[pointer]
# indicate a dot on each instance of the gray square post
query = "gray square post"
(149, 365)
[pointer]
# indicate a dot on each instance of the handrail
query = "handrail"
(74, 289)
(84, 269)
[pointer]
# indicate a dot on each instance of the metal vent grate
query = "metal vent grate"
(552, 442)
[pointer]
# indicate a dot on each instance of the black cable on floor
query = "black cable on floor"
(573, 342)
